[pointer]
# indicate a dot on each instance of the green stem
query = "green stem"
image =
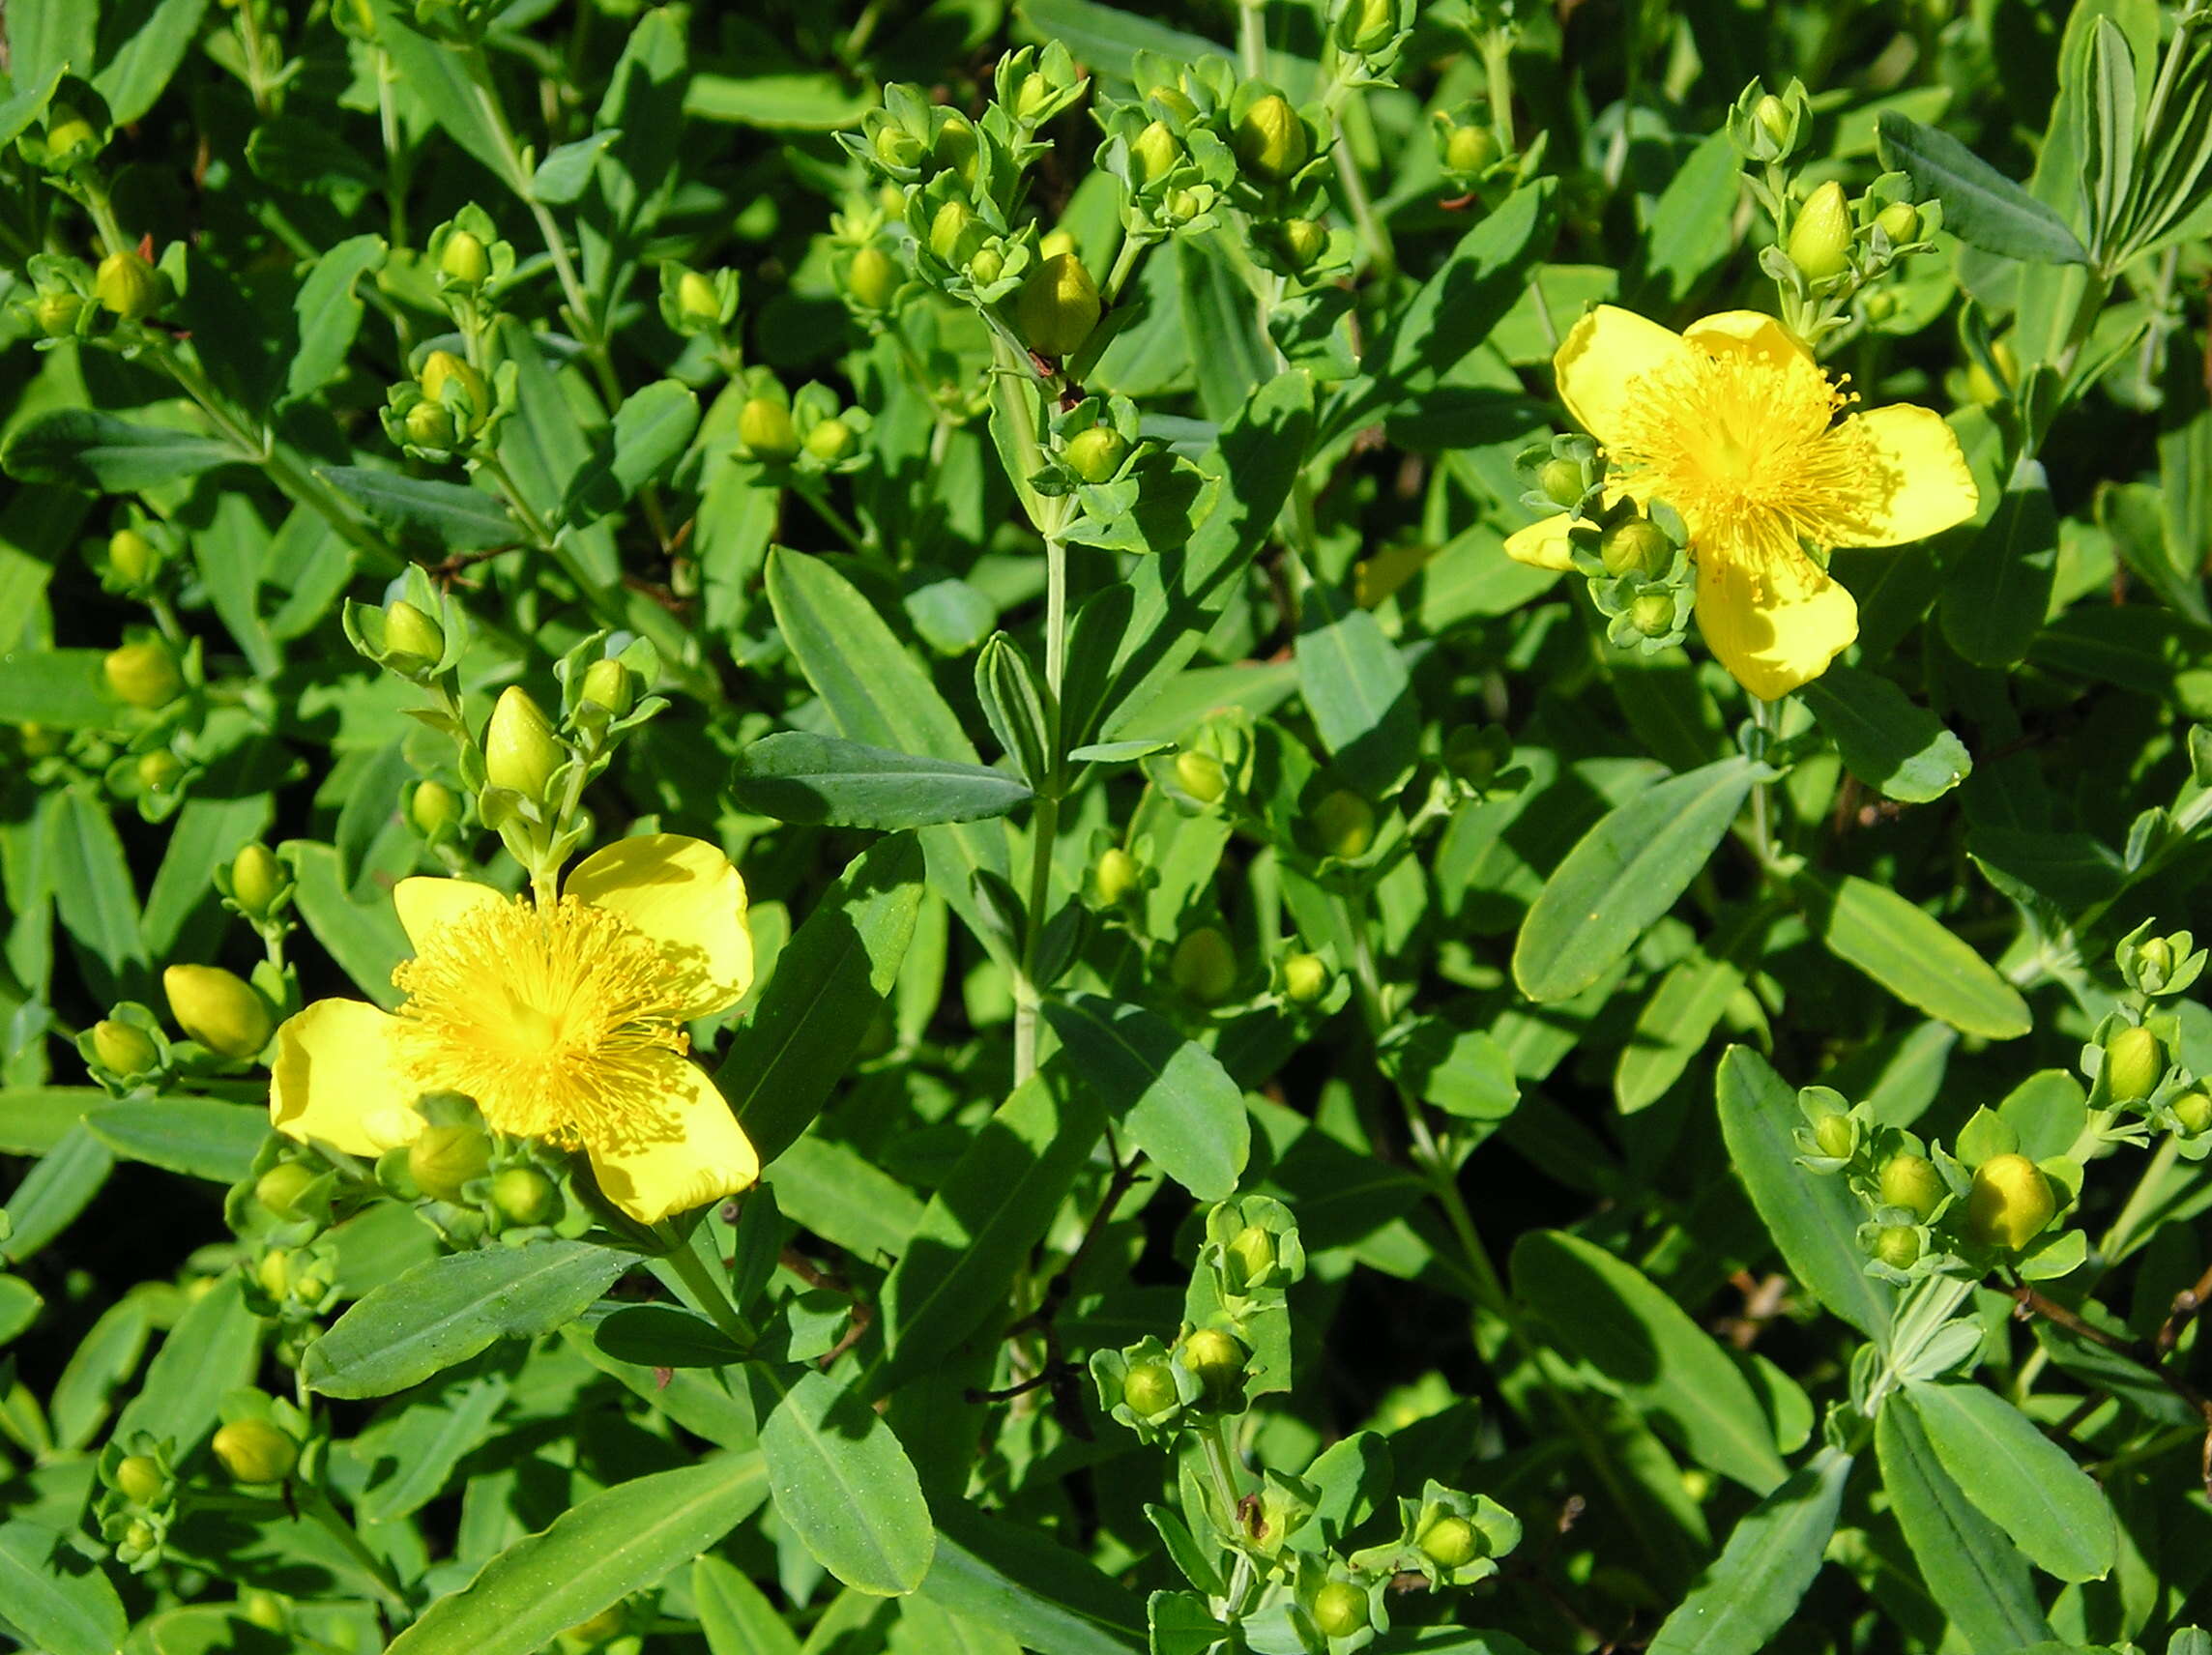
(813, 492)
(249, 38)
(1124, 261)
(1221, 1465)
(315, 1504)
(714, 1298)
(1497, 75)
(1045, 830)
(1252, 37)
(1381, 253)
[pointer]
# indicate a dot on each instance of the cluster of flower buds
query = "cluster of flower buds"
(1635, 557)
(810, 432)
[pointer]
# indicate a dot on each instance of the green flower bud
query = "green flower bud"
(70, 136)
(1150, 1389)
(1820, 240)
(2134, 1064)
(1912, 1183)
(986, 267)
(2009, 1204)
(1900, 221)
(2193, 1113)
(519, 748)
(1561, 483)
(1181, 205)
(281, 1190)
(1117, 876)
(1270, 140)
(1305, 240)
(144, 674)
(255, 1451)
(1217, 1359)
(1056, 243)
(442, 368)
(1204, 965)
(1773, 118)
(1450, 1542)
(1200, 775)
(413, 642)
(1340, 1610)
(429, 426)
(872, 278)
(140, 1537)
(1031, 97)
(1636, 545)
(524, 1195)
(432, 807)
(764, 431)
(160, 770)
(1836, 1136)
(2154, 959)
(956, 147)
(610, 684)
(257, 879)
(1251, 1251)
(127, 286)
(1471, 150)
(1345, 824)
(696, 300)
(1058, 306)
(220, 1010)
(57, 313)
(953, 236)
(1096, 454)
(465, 260)
(444, 1158)
(123, 1047)
(1367, 25)
(897, 148)
(1305, 979)
(275, 1273)
(1898, 1245)
(130, 555)
(141, 1479)
(1652, 614)
(1153, 154)
(1175, 102)
(832, 441)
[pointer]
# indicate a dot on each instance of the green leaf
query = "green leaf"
(212, 1351)
(1357, 687)
(446, 1310)
(797, 776)
(844, 1484)
(843, 1197)
(565, 172)
(662, 1336)
(1981, 205)
(651, 428)
(736, 1618)
(451, 516)
(1814, 1220)
(1995, 597)
(439, 78)
(1674, 1027)
(787, 103)
(420, 1446)
(140, 66)
(1754, 1588)
(1622, 874)
(1110, 36)
(1645, 1347)
(329, 313)
(1692, 224)
(197, 1137)
(1030, 1586)
(1886, 741)
(92, 888)
(1462, 1071)
(1909, 954)
(1973, 1571)
(98, 452)
(619, 1541)
(2021, 1480)
(1180, 1104)
(104, 1358)
(365, 938)
(55, 1595)
(977, 1230)
(829, 982)
(33, 1120)
(63, 689)
(20, 1306)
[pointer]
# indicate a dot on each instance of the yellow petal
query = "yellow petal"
(337, 1081)
(683, 894)
(695, 1154)
(1604, 354)
(1544, 543)
(427, 906)
(1928, 486)
(1777, 632)
(1750, 332)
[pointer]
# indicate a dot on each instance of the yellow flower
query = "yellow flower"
(563, 1021)
(1734, 424)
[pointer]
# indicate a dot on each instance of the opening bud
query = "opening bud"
(1900, 221)
(123, 1047)
(2154, 959)
(1345, 824)
(520, 750)
(130, 555)
(1820, 240)
(144, 674)
(1117, 876)
(1204, 965)
(442, 368)
(610, 684)
(57, 314)
(220, 1010)
(1200, 775)
(1096, 454)
(1561, 483)
(2193, 1113)
(1652, 614)
(1912, 1183)
(1898, 1245)
(160, 770)
(433, 807)
(871, 278)
(1340, 1610)
(1637, 547)
(1270, 140)
(1305, 979)
(2134, 1062)
(832, 441)
(413, 642)
(1150, 1389)
(257, 879)
(1471, 150)
(2009, 1202)
(1217, 1359)
(1450, 1542)
(281, 1190)
(141, 1479)
(442, 1159)
(127, 286)
(1153, 154)
(1058, 306)
(524, 1195)
(255, 1451)
(465, 260)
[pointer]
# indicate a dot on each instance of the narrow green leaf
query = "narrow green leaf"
(419, 1448)
(844, 1484)
(212, 1351)
(88, 450)
(1911, 955)
(1981, 205)
(328, 313)
(1995, 597)
(662, 1336)
(64, 689)
(365, 938)
(1892, 744)
(736, 1618)
(450, 516)
(1358, 689)
(1754, 1588)
(797, 776)
(1181, 1105)
(652, 428)
(788, 102)
(562, 176)
(1674, 1027)
(1030, 1586)
(33, 1120)
(195, 1136)
(55, 1595)
(55, 1191)
(2019, 1479)
(94, 892)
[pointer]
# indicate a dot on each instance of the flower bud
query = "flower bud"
(1912, 1183)
(139, 1537)
(1058, 306)
(520, 751)
(1251, 1251)
(764, 431)
(1836, 1135)
(1270, 140)
(2193, 1113)
(610, 684)
(255, 1451)
(897, 148)
(281, 1190)
(832, 441)
(1200, 775)
(1181, 205)
(1305, 240)
(1054, 243)
(2009, 1204)
(444, 1158)
(257, 880)
(1096, 454)
(442, 368)
(56, 314)
(1636, 545)
(956, 147)
(1561, 483)
(1450, 1542)
(1898, 1245)
(1820, 240)
(1305, 979)
(696, 298)
(1900, 221)
(160, 770)
(70, 135)
(1204, 965)
(952, 234)
(1345, 824)
(524, 1195)
(986, 267)
(2134, 1064)
(1153, 154)
(141, 1479)
(275, 1273)
(872, 278)
(1117, 876)
(413, 642)
(127, 286)
(144, 674)
(1652, 614)
(433, 807)
(1150, 1389)
(130, 555)
(2154, 959)
(1367, 25)
(220, 1010)
(429, 426)
(465, 260)
(123, 1047)
(1471, 150)
(1773, 118)
(1217, 1359)
(1340, 1610)
(1031, 97)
